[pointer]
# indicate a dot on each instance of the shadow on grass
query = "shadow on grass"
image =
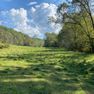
(45, 56)
(45, 75)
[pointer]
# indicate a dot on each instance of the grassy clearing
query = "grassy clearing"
(26, 70)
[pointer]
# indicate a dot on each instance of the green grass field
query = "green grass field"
(26, 70)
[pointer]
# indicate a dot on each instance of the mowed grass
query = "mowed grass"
(26, 70)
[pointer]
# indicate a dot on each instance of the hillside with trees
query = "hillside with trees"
(11, 36)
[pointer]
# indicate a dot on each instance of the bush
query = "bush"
(3, 45)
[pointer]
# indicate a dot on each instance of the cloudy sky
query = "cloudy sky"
(29, 16)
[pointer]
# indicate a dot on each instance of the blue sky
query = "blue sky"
(29, 16)
(8, 4)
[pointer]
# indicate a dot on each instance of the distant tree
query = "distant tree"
(51, 40)
(36, 42)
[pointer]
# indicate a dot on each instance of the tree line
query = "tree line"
(10, 36)
(77, 26)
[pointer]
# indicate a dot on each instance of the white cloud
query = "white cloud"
(14, 17)
(33, 9)
(32, 3)
(40, 16)
(33, 22)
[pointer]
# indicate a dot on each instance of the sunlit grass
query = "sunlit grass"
(28, 70)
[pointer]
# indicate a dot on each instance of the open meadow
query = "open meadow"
(28, 70)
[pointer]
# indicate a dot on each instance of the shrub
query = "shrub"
(3, 45)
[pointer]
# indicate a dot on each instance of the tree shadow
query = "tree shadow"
(45, 75)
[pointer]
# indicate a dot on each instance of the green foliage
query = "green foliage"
(3, 45)
(33, 70)
(78, 26)
(10, 36)
(72, 37)
(51, 40)
(36, 42)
